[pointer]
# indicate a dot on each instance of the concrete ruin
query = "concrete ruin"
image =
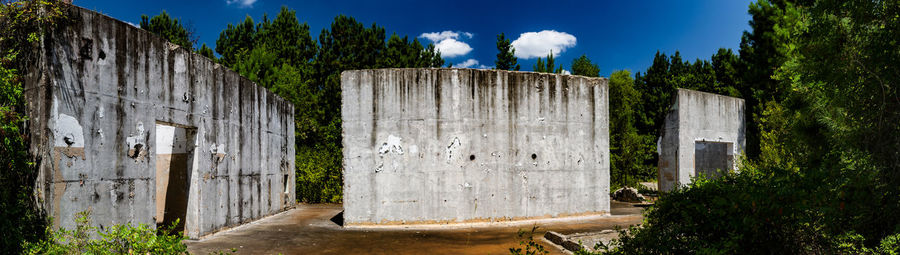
(138, 130)
(435, 146)
(702, 133)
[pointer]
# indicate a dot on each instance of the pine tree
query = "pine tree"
(583, 66)
(506, 59)
(170, 29)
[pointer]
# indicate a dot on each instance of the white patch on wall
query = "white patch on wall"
(67, 132)
(453, 146)
(213, 149)
(392, 145)
(179, 64)
(138, 138)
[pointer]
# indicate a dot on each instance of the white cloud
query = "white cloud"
(448, 42)
(132, 24)
(241, 3)
(471, 63)
(440, 36)
(564, 71)
(539, 44)
(452, 48)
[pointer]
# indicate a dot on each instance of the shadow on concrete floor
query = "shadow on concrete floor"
(317, 229)
(338, 219)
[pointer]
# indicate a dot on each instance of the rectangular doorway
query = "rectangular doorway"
(710, 157)
(175, 146)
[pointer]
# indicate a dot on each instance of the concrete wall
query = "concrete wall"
(695, 120)
(463, 145)
(96, 97)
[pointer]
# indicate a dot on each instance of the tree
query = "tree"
(170, 29)
(547, 67)
(206, 52)
(286, 37)
(583, 66)
(506, 57)
(627, 148)
(236, 40)
(760, 57)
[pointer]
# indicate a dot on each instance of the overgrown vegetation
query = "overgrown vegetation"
(528, 245)
(118, 239)
(21, 24)
(821, 173)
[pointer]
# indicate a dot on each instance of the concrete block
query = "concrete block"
(703, 132)
(463, 145)
(111, 85)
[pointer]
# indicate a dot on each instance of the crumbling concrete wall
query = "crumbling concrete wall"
(701, 133)
(97, 98)
(463, 145)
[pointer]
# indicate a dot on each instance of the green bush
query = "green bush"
(21, 25)
(118, 239)
(319, 177)
(757, 211)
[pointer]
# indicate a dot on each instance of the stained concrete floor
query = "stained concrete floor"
(312, 229)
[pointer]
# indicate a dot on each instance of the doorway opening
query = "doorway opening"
(712, 157)
(174, 161)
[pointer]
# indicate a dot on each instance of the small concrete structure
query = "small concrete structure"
(702, 133)
(138, 130)
(464, 145)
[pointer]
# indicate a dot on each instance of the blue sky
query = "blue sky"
(614, 34)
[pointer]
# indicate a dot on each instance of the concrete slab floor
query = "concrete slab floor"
(309, 229)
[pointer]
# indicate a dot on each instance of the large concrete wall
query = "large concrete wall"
(97, 96)
(699, 121)
(464, 145)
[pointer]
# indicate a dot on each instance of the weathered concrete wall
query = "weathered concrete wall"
(464, 145)
(97, 98)
(699, 122)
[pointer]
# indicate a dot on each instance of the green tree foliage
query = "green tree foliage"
(401, 52)
(236, 39)
(760, 56)
(21, 29)
(170, 29)
(627, 148)
(583, 66)
(206, 52)
(841, 76)
(547, 67)
(821, 75)
(506, 54)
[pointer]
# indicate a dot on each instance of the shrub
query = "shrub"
(319, 176)
(118, 239)
(21, 25)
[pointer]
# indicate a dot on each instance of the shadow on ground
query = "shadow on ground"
(317, 229)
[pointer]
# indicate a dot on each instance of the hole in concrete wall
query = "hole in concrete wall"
(174, 156)
(136, 150)
(471, 157)
(710, 157)
(533, 156)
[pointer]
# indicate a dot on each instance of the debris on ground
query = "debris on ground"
(628, 194)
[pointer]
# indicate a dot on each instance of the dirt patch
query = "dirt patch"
(314, 229)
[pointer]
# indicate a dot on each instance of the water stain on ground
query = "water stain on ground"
(315, 229)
